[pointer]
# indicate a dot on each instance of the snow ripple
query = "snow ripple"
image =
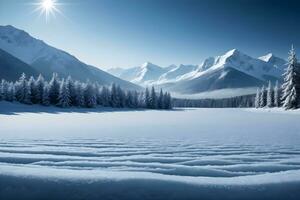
(151, 169)
(171, 157)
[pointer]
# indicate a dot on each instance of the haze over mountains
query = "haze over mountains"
(38, 56)
(234, 69)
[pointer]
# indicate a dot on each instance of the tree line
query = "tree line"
(231, 102)
(67, 93)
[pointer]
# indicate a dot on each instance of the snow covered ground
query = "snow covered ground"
(52, 153)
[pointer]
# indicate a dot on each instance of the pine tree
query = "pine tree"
(54, 86)
(11, 92)
(23, 90)
(33, 89)
(257, 99)
(105, 96)
(147, 99)
(45, 97)
(136, 103)
(39, 84)
(120, 97)
(129, 100)
(64, 99)
(276, 95)
(167, 101)
(79, 89)
(160, 103)
(153, 99)
(3, 90)
(291, 87)
(263, 97)
(113, 96)
(270, 96)
(72, 90)
(89, 96)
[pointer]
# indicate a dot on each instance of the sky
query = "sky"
(127, 33)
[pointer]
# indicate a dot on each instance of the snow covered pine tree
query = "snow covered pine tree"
(291, 86)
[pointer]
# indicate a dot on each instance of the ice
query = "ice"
(52, 153)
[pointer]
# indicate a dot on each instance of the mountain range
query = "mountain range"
(20, 52)
(232, 70)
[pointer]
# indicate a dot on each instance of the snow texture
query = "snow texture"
(54, 153)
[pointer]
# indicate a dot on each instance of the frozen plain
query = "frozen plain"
(52, 153)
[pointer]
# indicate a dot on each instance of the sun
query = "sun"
(47, 8)
(48, 4)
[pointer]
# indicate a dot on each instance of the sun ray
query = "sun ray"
(48, 8)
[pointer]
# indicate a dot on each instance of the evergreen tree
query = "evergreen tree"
(263, 97)
(11, 92)
(23, 90)
(113, 96)
(33, 89)
(147, 99)
(105, 96)
(64, 99)
(153, 99)
(46, 97)
(89, 96)
(167, 101)
(290, 87)
(136, 103)
(54, 87)
(79, 88)
(3, 90)
(160, 103)
(257, 99)
(98, 94)
(270, 96)
(120, 97)
(72, 90)
(39, 84)
(129, 100)
(276, 95)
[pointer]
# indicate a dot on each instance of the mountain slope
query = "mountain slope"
(11, 67)
(142, 75)
(218, 79)
(231, 70)
(176, 73)
(47, 59)
(274, 60)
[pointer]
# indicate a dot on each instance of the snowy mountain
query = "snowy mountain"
(273, 60)
(11, 67)
(47, 59)
(234, 69)
(142, 75)
(176, 73)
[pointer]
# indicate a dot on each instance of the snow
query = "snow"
(266, 58)
(265, 68)
(102, 153)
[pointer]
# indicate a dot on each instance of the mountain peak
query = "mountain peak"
(146, 64)
(233, 52)
(149, 65)
(267, 57)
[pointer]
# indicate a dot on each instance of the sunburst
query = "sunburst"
(48, 8)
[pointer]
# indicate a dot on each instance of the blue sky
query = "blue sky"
(126, 33)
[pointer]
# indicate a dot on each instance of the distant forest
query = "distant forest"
(233, 102)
